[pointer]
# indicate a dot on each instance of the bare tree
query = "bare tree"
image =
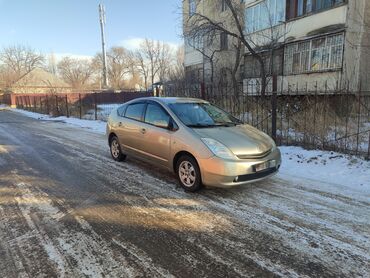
(76, 72)
(234, 70)
(18, 61)
(51, 64)
(157, 57)
(153, 60)
(135, 81)
(233, 26)
(177, 72)
(165, 61)
(142, 66)
(151, 51)
(119, 64)
(7, 78)
(208, 52)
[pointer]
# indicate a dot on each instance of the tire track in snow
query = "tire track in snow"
(281, 218)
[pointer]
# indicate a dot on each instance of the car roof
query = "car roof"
(168, 100)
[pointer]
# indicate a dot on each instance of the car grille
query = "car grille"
(256, 176)
(254, 156)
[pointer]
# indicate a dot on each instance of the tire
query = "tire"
(188, 173)
(115, 149)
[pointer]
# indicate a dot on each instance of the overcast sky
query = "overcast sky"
(72, 26)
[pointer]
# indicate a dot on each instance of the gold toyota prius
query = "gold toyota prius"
(201, 143)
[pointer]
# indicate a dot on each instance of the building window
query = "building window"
(265, 14)
(296, 8)
(223, 6)
(224, 41)
(252, 68)
(320, 54)
(195, 42)
(192, 7)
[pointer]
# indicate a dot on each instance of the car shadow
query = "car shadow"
(170, 178)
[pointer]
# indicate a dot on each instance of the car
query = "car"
(201, 143)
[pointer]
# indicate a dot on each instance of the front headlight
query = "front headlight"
(274, 147)
(217, 148)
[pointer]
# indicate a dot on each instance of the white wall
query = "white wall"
(192, 56)
(303, 26)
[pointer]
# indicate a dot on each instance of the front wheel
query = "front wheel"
(188, 173)
(115, 150)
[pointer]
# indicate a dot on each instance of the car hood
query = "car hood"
(242, 140)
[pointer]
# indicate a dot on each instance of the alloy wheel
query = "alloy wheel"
(187, 174)
(115, 148)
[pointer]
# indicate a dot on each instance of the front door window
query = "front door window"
(155, 115)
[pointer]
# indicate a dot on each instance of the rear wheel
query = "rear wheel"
(188, 173)
(115, 150)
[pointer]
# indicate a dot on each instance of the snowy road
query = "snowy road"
(68, 210)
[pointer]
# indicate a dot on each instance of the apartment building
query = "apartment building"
(309, 44)
(206, 60)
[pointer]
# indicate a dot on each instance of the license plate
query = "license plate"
(265, 165)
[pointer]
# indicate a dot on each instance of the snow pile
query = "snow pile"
(96, 126)
(330, 167)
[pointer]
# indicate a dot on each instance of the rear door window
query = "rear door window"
(135, 111)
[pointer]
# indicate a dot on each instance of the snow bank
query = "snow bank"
(96, 126)
(329, 167)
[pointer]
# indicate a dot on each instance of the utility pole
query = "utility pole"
(102, 25)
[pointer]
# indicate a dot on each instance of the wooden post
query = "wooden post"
(67, 111)
(80, 105)
(41, 111)
(14, 101)
(47, 105)
(34, 104)
(95, 107)
(56, 104)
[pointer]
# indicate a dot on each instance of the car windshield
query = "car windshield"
(198, 115)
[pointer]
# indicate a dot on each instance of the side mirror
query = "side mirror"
(172, 125)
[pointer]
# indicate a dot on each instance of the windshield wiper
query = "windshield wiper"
(211, 125)
(201, 125)
(226, 124)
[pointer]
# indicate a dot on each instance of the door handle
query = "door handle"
(120, 124)
(143, 130)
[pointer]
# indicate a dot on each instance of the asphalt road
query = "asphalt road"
(68, 210)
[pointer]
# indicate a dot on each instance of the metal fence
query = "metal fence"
(89, 106)
(335, 121)
(5, 99)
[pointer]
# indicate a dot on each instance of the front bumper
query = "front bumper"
(220, 172)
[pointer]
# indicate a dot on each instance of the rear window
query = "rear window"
(135, 111)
